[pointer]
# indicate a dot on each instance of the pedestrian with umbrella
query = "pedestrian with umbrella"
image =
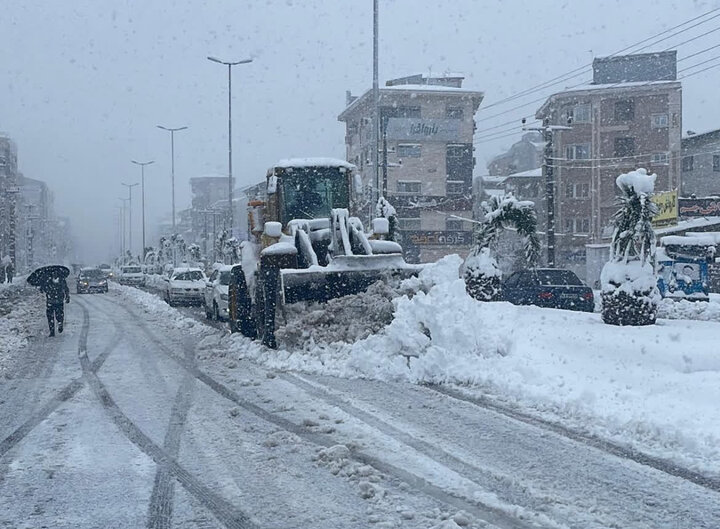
(51, 280)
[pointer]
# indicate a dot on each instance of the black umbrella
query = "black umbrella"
(45, 274)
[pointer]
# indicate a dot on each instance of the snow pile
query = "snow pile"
(155, 306)
(689, 310)
(655, 387)
(21, 307)
(638, 180)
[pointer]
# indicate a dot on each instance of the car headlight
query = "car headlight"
(224, 297)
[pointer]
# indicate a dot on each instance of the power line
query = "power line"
(564, 77)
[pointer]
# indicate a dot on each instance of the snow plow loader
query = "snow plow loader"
(308, 247)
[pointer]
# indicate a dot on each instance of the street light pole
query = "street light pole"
(124, 200)
(142, 179)
(172, 132)
(130, 186)
(230, 64)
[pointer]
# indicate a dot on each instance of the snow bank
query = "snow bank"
(21, 308)
(655, 388)
(155, 306)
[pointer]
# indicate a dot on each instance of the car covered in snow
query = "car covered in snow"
(91, 280)
(131, 275)
(185, 286)
(107, 270)
(548, 287)
(216, 293)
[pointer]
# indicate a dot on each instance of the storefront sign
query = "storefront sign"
(439, 238)
(699, 207)
(667, 204)
(410, 129)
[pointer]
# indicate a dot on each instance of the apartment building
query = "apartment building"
(628, 117)
(701, 164)
(425, 161)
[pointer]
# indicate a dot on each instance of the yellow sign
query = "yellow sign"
(667, 204)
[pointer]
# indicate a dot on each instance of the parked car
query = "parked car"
(91, 280)
(185, 285)
(107, 270)
(216, 293)
(548, 287)
(131, 275)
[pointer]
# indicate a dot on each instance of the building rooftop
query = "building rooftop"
(611, 87)
(699, 136)
(532, 173)
(411, 88)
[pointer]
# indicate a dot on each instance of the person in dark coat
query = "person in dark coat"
(9, 271)
(58, 293)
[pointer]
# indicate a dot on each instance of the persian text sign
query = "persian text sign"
(667, 204)
(409, 129)
(699, 207)
(439, 238)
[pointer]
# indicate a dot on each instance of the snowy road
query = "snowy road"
(124, 421)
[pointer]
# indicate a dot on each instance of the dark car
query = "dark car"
(548, 287)
(91, 280)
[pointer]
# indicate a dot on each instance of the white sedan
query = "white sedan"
(186, 286)
(216, 293)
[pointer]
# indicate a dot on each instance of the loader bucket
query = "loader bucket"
(345, 275)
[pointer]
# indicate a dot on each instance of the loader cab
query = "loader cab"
(306, 189)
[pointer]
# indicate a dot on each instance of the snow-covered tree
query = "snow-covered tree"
(385, 210)
(629, 285)
(482, 275)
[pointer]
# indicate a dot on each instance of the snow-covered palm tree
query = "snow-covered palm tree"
(482, 275)
(629, 285)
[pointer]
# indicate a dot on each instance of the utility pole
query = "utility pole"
(549, 171)
(142, 176)
(376, 98)
(130, 186)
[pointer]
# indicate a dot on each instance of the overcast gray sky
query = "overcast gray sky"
(85, 82)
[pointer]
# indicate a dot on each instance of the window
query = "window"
(580, 114)
(409, 223)
(454, 112)
(408, 150)
(579, 151)
(577, 225)
(400, 112)
(687, 163)
(453, 224)
(404, 186)
(455, 187)
(456, 151)
(659, 158)
(716, 162)
(624, 110)
(659, 120)
(577, 190)
(624, 147)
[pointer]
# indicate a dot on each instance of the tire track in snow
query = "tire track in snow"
(487, 513)
(641, 458)
(160, 512)
(64, 395)
(226, 513)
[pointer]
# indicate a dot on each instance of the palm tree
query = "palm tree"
(481, 272)
(629, 285)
